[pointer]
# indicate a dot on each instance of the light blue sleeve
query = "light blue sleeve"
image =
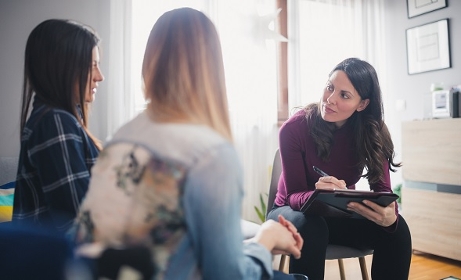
(212, 204)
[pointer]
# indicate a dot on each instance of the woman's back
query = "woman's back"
(173, 172)
(171, 187)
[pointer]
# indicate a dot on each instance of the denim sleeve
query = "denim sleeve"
(212, 203)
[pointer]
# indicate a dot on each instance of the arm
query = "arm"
(294, 172)
(383, 185)
(386, 217)
(58, 154)
(275, 237)
(212, 203)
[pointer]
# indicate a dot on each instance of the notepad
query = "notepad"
(333, 203)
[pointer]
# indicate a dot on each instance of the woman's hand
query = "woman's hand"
(330, 183)
(383, 216)
(280, 237)
(293, 230)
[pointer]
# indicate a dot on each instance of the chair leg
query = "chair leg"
(284, 263)
(341, 269)
(363, 268)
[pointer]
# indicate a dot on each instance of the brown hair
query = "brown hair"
(58, 55)
(373, 140)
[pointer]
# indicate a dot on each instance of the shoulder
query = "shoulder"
(46, 123)
(178, 141)
(53, 117)
(297, 122)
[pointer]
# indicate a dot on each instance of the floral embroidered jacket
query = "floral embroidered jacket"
(177, 189)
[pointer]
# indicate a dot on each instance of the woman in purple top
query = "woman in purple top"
(343, 134)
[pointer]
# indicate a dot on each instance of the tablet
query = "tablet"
(333, 203)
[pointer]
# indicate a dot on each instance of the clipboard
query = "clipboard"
(333, 203)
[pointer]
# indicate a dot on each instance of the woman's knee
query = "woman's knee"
(403, 233)
(308, 227)
(296, 217)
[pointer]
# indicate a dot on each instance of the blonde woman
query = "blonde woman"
(170, 180)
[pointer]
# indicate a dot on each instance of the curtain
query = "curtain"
(249, 52)
(324, 32)
(248, 42)
(120, 102)
(348, 28)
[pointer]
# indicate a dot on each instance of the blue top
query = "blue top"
(53, 170)
(176, 188)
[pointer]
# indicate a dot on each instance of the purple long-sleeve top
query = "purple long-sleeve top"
(298, 154)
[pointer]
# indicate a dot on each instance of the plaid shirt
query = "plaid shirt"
(54, 169)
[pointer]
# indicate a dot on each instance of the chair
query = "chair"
(333, 251)
(34, 253)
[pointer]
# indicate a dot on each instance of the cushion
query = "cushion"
(34, 253)
(249, 229)
(6, 201)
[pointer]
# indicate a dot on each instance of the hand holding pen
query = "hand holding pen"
(327, 181)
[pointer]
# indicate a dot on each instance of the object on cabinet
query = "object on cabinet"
(445, 103)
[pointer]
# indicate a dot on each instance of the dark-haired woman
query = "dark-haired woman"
(343, 134)
(61, 75)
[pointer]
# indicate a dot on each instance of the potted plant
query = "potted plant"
(398, 191)
(262, 209)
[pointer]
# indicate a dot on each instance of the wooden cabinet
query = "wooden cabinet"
(431, 151)
(431, 195)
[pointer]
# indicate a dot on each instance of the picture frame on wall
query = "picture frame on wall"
(419, 7)
(428, 47)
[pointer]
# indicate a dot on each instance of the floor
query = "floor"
(423, 267)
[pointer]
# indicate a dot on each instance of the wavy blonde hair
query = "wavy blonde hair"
(183, 71)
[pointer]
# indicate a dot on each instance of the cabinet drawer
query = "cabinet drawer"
(434, 219)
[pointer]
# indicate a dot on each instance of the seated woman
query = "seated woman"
(61, 75)
(170, 179)
(343, 134)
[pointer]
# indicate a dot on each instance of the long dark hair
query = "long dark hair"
(58, 57)
(373, 140)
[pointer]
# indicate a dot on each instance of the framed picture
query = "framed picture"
(419, 7)
(428, 47)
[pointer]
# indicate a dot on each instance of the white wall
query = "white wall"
(415, 89)
(17, 19)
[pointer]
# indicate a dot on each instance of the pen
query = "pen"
(324, 174)
(320, 171)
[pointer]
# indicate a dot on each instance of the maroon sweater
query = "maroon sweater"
(299, 154)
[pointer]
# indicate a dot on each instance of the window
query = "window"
(322, 33)
(144, 14)
(248, 43)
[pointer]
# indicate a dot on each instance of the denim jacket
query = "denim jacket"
(177, 189)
